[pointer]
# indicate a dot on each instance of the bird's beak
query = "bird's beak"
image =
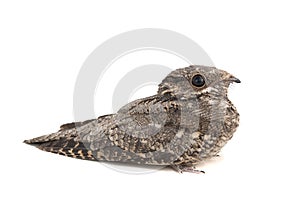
(233, 79)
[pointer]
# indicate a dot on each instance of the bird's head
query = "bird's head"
(195, 81)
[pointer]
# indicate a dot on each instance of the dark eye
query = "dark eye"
(198, 80)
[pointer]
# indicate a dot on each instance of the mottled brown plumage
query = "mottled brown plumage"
(189, 120)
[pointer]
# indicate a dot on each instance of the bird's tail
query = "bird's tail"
(64, 142)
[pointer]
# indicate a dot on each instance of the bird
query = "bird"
(187, 121)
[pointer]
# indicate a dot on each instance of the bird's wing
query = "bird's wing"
(72, 125)
(145, 127)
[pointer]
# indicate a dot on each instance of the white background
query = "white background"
(42, 48)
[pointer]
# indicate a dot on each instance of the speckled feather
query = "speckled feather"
(180, 126)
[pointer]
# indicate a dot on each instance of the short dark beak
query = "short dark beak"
(234, 79)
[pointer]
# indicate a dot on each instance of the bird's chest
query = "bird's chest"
(216, 126)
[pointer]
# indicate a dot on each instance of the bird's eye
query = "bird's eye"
(198, 80)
